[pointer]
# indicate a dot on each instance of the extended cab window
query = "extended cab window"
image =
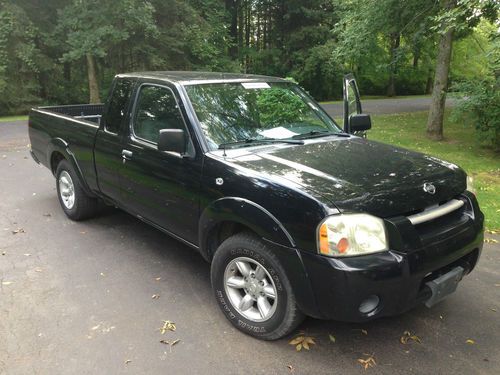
(118, 105)
(156, 109)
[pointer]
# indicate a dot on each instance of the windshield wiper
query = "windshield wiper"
(222, 146)
(319, 133)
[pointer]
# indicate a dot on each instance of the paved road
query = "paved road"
(386, 106)
(75, 298)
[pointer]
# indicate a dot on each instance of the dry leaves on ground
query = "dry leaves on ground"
(407, 336)
(332, 338)
(167, 326)
(18, 230)
(470, 341)
(369, 361)
(170, 343)
(490, 240)
(155, 296)
(302, 342)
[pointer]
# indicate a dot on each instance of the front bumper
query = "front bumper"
(397, 277)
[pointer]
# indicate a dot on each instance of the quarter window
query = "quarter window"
(118, 105)
(156, 109)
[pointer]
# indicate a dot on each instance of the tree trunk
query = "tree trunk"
(93, 85)
(395, 42)
(436, 111)
(232, 9)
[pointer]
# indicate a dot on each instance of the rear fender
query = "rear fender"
(61, 146)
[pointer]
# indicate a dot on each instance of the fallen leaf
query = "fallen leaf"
(490, 240)
(332, 338)
(492, 309)
(364, 332)
(290, 367)
(95, 327)
(167, 326)
(83, 232)
(407, 336)
(7, 282)
(3, 253)
(369, 361)
(128, 361)
(302, 342)
(38, 270)
(155, 296)
(170, 343)
(492, 231)
(470, 341)
(158, 279)
(102, 274)
(27, 255)
(19, 230)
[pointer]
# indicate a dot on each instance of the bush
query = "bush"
(479, 103)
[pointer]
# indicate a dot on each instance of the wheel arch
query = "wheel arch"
(230, 215)
(58, 150)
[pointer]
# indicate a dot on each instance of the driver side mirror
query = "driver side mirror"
(172, 140)
(359, 122)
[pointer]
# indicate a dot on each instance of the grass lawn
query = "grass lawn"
(14, 118)
(459, 147)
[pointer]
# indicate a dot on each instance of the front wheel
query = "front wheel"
(252, 288)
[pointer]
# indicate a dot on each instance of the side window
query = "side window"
(117, 105)
(156, 109)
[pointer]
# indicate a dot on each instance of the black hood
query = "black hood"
(359, 175)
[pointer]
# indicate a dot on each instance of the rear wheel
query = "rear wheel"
(252, 288)
(76, 204)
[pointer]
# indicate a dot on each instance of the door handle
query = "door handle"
(126, 155)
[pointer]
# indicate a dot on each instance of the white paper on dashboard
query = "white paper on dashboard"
(255, 85)
(279, 133)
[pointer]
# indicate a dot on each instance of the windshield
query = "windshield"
(234, 112)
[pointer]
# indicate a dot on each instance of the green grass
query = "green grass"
(460, 147)
(14, 118)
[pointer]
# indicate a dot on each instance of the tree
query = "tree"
(94, 27)
(456, 17)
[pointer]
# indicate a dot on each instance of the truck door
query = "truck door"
(162, 187)
(109, 139)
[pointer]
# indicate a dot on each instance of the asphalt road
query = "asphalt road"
(76, 298)
(385, 106)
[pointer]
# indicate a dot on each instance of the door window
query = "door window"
(156, 109)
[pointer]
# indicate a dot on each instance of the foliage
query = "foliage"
(277, 106)
(480, 105)
(389, 44)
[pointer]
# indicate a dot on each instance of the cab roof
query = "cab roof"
(194, 78)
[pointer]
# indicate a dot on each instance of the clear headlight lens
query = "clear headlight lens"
(352, 234)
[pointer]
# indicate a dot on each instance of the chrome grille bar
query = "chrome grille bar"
(435, 212)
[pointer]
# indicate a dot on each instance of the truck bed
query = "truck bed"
(60, 128)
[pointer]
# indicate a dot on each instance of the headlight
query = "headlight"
(351, 234)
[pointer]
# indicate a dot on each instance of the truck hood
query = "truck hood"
(358, 175)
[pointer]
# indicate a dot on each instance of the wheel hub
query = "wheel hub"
(250, 289)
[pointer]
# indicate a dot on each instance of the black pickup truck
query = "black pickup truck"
(296, 214)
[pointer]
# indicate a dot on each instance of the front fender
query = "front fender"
(61, 146)
(245, 212)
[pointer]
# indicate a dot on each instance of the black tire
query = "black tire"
(84, 207)
(286, 316)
